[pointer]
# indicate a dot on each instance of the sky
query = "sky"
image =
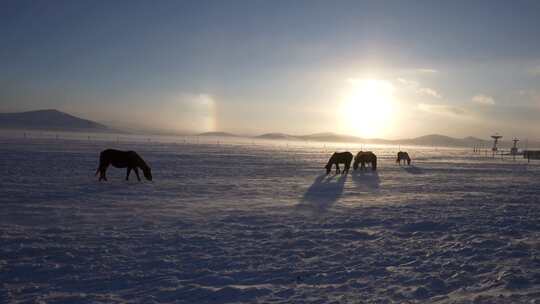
(385, 69)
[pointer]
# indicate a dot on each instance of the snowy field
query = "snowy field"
(259, 222)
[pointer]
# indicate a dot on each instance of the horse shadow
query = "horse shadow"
(413, 170)
(366, 179)
(324, 191)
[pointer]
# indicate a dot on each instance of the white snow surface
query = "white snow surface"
(260, 222)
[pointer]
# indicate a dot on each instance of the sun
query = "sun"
(367, 107)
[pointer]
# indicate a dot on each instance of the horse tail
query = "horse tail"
(355, 162)
(101, 162)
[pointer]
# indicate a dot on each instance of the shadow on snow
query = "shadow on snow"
(413, 170)
(324, 191)
(366, 179)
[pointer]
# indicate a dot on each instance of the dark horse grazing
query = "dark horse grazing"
(403, 156)
(122, 159)
(339, 158)
(363, 158)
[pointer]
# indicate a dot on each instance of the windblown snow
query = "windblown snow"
(259, 222)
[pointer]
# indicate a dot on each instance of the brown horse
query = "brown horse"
(339, 158)
(403, 156)
(363, 158)
(122, 159)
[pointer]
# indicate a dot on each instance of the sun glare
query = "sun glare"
(367, 107)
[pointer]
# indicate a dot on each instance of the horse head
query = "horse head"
(331, 161)
(328, 168)
(147, 172)
(355, 164)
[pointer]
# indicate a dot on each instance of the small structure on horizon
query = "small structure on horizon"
(514, 149)
(496, 138)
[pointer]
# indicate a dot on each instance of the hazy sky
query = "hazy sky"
(369, 68)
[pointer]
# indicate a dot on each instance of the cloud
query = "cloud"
(427, 71)
(535, 71)
(408, 83)
(483, 99)
(428, 91)
(442, 109)
(531, 95)
(414, 85)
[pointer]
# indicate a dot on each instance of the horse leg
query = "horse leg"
(128, 172)
(102, 173)
(337, 168)
(137, 173)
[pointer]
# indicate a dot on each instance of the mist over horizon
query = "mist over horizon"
(167, 129)
(59, 124)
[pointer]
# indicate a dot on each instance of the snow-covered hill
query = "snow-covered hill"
(49, 120)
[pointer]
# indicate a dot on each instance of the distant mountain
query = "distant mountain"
(444, 141)
(331, 137)
(222, 134)
(327, 136)
(49, 120)
(277, 136)
(474, 141)
(427, 140)
(471, 138)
